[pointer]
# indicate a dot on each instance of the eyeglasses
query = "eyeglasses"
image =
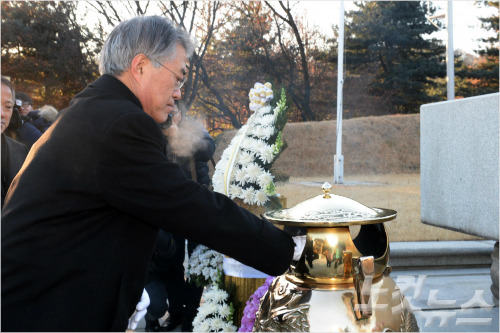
(180, 80)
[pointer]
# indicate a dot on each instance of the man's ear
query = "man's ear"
(138, 66)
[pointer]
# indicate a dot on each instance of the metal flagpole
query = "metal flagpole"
(450, 56)
(338, 167)
(450, 51)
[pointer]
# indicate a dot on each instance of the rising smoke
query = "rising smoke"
(189, 137)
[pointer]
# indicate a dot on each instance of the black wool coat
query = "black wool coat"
(79, 223)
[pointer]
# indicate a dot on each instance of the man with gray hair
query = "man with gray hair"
(13, 152)
(80, 221)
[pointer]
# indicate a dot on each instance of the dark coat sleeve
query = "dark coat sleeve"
(29, 134)
(38, 121)
(135, 177)
(201, 158)
(206, 148)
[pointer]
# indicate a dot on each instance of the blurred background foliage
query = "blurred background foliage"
(50, 51)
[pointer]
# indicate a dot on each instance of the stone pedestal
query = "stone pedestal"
(494, 274)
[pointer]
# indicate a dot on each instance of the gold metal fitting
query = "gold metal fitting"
(326, 189)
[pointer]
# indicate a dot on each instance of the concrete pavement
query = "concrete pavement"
(450, 299)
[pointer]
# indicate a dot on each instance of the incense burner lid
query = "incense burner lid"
(329, 210)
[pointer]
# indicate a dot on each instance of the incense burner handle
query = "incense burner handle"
(364, 271)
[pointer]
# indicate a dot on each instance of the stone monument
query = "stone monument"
(459, 168)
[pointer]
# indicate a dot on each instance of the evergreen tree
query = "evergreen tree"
(481, 77)
(386, 38)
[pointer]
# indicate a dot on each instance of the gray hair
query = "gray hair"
(154, 36)
(48, 112)
(7, 82)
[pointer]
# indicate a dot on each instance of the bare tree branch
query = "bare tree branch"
(276, 12)
(304, 102)
(117, 16)
(139, 10)
(101, 11)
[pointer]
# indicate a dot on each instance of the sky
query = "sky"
(466, 25)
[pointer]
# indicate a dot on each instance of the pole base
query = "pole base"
(338, 170)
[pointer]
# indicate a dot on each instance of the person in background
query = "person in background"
(194, 163)
(33, 122)
(27, 103)
(81, 218)
(13, 152)
(42, 118)
(159, 277)
(191, 147)
(48, 113)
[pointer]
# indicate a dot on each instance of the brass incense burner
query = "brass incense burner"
(341, 282)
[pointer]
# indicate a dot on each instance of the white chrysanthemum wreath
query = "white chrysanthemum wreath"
(204, 266)
(244, 168)
(243, 172)
(215, 315)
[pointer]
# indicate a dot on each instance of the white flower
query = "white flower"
(261, 197)
(217, 323)
(253, 171)
(261, 145)
(205, 263)
(211, 308)
(212, 314)
(197, 270)
(264, 110)
(219, 296)
(196, 320)
(229, 328)
(266, 154)
(234, 191)
(218, 181)
(257, 131)
(206, 272)
(214, 262)
(245, 158)
(203, 327)
(267, 131)
(250, 144)
(248, 195)
(209, 295)
(214, 275)
(246, 143)
(262, 132)
(267, 120)
(241, 176)
(203, 312)
(264, 179)
(195, 260)
(225, 310)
